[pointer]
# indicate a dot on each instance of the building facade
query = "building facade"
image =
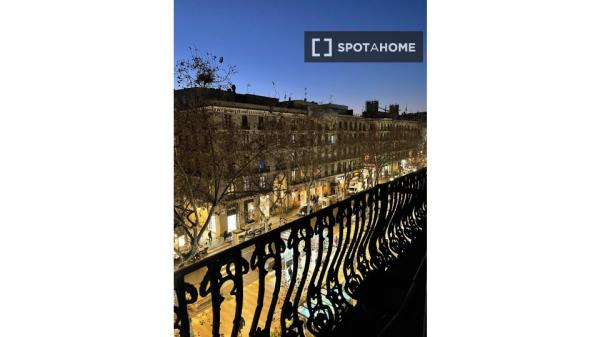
(319, 153)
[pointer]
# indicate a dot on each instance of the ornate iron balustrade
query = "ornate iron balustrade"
(310, 271)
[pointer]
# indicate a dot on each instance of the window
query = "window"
(249, 211)
(263, 182)
(245, 122)
(231, 219)
(261, 123)
(227, 120)
(231, 223)
(212, 224)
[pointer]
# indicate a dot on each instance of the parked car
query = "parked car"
(355, 186)
(303, 211)
(353, 189)
(327, 201)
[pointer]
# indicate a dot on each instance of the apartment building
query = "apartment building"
(317, 151)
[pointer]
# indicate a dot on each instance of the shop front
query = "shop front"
(341, 181)
(265, 205)
(232, 223)
(249, 211)
(302, 198)
(334, 187)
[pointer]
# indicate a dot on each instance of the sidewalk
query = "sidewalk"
(281, 219)
(218, 243)
(277, 220)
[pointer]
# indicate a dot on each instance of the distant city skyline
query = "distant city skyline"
(264, 40)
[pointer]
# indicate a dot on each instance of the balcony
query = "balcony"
(353, 268)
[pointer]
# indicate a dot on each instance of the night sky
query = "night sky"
(264, 40)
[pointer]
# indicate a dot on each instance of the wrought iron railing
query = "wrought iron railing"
(300, 279)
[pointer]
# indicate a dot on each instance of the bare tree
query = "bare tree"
(347, 171)
(203, 71)
(308, 153)
(280, 191)
(215, 160)
(347, 151)
(390, 143)
(379, 150)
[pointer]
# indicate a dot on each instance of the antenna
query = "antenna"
(275, 89)
(304, 94)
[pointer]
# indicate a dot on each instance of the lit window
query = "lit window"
(231, 222)
(212, 224)
(249, 212)
(263, 182)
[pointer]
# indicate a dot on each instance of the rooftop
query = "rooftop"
(230, 98)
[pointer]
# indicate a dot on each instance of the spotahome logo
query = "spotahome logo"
(363, 46)
(314, 47)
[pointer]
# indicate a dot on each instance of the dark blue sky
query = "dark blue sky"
(264, 40)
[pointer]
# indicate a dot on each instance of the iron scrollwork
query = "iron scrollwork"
(312, 268)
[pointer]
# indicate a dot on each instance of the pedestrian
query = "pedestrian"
(209, 237)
